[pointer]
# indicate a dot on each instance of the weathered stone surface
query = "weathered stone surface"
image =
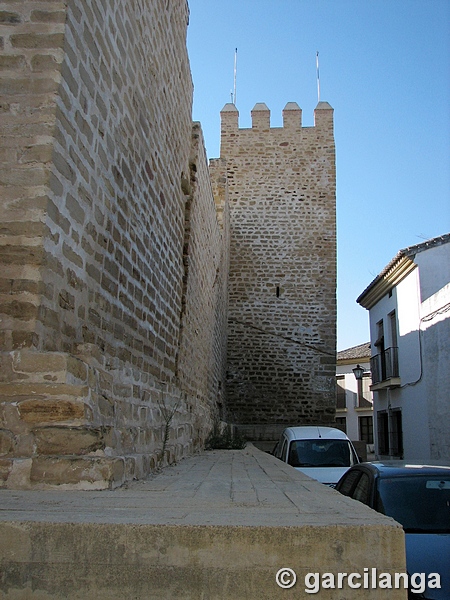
(51, 411)
(6, 368)
(37, 40)
(282, 286)
(224, 563)
(21, 310)
(9, 18)
(6, 442)
(5, 469)
(86, 472)
(114, 254)
(70, 441)
(112, 259)
(46, 364)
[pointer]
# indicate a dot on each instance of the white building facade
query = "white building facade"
(409, 310)
(354, 402)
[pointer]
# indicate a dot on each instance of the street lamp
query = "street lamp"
(358, 371)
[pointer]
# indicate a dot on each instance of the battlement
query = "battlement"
(292, 117)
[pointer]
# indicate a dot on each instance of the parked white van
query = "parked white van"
(323, 453)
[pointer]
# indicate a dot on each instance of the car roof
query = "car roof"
(402, 468)
(314, 432)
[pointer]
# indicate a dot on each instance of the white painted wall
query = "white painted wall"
(351, 393)
(405, 301)
(435, 326)
(422, 304)
(434, 267)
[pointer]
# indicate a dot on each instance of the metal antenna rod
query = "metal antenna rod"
(235, 68)
(318, 77)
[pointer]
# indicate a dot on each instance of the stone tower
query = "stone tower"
(282, 279)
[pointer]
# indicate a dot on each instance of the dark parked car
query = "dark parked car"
(418, 497)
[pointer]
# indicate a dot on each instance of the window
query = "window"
(341, 423)
(383, 432)
(340, 391)
(321, 453)
(380, 336)
(349, 481)
(283, 450)
(280, 448)
(379, 344)
(418, 502)
(393, 327)
(390, 433)
(361, 491)
(384, 364)
(394, 343)
(396, 434)
(366, 429)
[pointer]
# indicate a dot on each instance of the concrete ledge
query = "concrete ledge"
(217, 526)
(83, 561)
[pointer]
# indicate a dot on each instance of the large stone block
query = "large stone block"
(37, 40)
(5, 469)
(77, 472)
(70, 440)
(45, 364)
(49, 410)
(7, 442)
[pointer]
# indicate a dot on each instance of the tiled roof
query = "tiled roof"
(437, 241)
(356, 353)
(410, 253)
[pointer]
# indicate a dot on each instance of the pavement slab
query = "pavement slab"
(220, 487)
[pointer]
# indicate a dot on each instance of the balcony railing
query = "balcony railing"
(384, 366)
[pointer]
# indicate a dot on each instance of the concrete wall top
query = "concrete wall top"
(219, 525)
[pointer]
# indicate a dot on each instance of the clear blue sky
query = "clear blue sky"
(385, 69)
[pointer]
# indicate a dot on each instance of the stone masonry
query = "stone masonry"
(112, 258)
(117, 241)
(282, 282)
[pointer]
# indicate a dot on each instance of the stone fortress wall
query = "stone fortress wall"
(282, 281)
(115, 251)
(112, 259)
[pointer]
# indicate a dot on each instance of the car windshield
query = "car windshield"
(420, 503)
(321, 453)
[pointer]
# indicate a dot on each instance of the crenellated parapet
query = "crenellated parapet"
(292, 128)
(292, 117)
(260, 116)
(323, 116)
